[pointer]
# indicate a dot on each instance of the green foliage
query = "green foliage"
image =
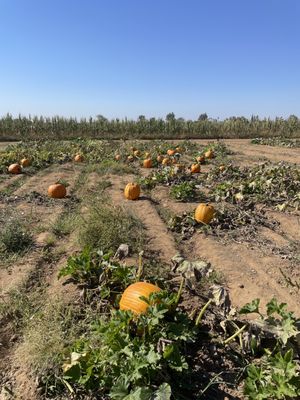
(134, 356)
(93, 268)
(277, 377)
(185, 191)
(277, 141)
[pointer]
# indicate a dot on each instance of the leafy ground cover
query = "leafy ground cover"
(277, 141)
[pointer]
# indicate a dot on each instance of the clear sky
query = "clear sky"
(129, 57)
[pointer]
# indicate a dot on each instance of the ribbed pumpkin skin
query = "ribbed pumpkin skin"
(57, 191)
(147, 163)
(25, 162)
(78, 158)
(171, 152)
(14, 169)
(195, 168)
(130, 299)
(204, 213)
(209, 154)
(132, 191)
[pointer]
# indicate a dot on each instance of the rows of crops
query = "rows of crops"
(34, 128)
(117, 306)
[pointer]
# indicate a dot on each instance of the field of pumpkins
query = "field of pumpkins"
(149, 270)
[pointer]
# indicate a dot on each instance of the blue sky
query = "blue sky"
(129, 57)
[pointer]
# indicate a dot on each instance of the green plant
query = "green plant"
(276, 375)
(141, 358)
(14, 236)
(185, 191)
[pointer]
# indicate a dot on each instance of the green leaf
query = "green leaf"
(164, 392)
(140, 393)
(252, 307)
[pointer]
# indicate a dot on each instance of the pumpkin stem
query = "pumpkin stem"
(180, 290)
(140, 268)
(202, 312)
(238, 332)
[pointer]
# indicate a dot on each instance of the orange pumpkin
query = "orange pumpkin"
(159, 158)
(209, 154)
(147, 163)
(222, 168)
(117, 157)
(204, 213)
(165, 161)
(78, 158)
(171, 152)
(57, 191)
(200, 159)
(130, 158)
(14, 169)
(131, 298)
(132, 191)
(136, 153)
(179, 149)
(195, 168)
(25, 162)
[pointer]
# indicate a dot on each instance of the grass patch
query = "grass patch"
(15, 237)
(106, 227)
(111, 167)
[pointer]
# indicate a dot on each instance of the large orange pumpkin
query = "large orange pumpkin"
(25, 162)
(209, 154)
(131, 300)
(78, 158)
(204, 213)
(147, 163)
(132, 191)
(171, 152)
(57, 191)
(14, 169)
(195, 168)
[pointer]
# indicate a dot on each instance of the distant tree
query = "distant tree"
(142, 118)
(203, 117)
(170, 117)
(101, 118)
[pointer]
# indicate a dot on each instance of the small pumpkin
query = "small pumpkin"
(195, 168)
(200, 159)
(57, 191)
(25, 162)
(14, 169)
(130, 158)
(132, 191)
(222, 168)
(131, 297)
(117, 157)
(147, 163)
(204, 213)
(165, 161)
(159, 158)
(179, 149)
(171, 152)
(78, 158)
(136, 153)
(209, 154)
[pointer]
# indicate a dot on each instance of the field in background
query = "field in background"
(249, 251)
